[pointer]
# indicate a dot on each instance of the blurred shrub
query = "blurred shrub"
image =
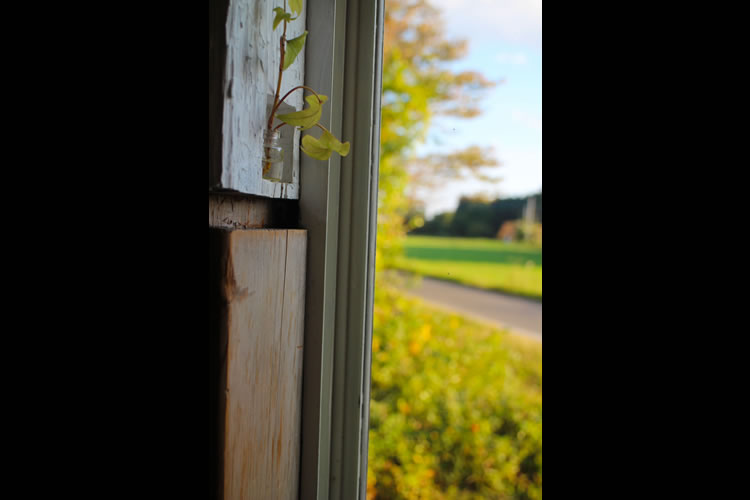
(456, 407)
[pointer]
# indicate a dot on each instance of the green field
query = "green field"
(492, 264)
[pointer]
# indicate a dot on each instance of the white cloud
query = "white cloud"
(515, 21)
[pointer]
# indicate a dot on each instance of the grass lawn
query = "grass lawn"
(492, 264)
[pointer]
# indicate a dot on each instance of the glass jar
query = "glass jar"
(273, 156)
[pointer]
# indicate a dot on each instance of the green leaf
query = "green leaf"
(280, 16)
(329, 140)
(314, 148)
(321, 149)
(296, 6)
(293, 48)
(309, 116)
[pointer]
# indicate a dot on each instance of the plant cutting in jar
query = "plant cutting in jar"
(319, 148)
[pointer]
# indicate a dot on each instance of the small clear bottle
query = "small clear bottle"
(273, 156)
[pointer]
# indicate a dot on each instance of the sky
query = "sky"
(505, 43)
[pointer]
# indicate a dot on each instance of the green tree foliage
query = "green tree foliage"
(477, 217)
(439, 225)
(417, 86)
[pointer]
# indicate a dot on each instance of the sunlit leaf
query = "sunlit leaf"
(329, 140)
(293, 48)
(313, 147)
(321, 149)
(309, 116)
(296, 6)
(280, 16)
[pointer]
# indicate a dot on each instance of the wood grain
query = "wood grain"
(236, 212)
(292, 347)
(263, 296)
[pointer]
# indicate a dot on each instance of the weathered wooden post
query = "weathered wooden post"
(257, 284)
(257, 261)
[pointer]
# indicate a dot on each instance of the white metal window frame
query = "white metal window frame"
(338, 207)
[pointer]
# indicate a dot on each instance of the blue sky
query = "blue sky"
(505, 43)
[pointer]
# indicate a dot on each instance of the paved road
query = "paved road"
(519, 315)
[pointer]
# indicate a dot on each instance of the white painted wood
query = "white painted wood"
(250, 78)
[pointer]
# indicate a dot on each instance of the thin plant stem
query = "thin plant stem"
(311, 90)
(282, 46)
(276, 107)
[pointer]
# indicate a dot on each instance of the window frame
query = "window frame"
(338, 207)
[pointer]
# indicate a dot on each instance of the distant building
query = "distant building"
(507, 231)
(518, 230)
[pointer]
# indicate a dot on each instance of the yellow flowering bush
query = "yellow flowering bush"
(456, 407)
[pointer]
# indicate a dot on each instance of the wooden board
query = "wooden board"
(250, 70)
(262, 297)
(236, 212)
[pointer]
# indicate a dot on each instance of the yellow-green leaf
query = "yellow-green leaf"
(329, 140)
(309, 116)
(281, 15)
(321, 149)
(296, 6)
(293, 48)
(313, 147)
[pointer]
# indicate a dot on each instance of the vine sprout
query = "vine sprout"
(319, 148)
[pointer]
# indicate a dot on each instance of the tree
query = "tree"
(417, 86)
(477, 216)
